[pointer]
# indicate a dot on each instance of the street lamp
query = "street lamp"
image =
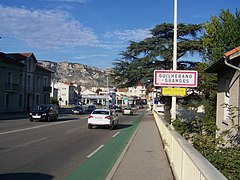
(174, 99)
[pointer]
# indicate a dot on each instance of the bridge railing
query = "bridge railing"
(186, 162)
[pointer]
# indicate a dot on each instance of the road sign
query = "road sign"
(173, 91)
(178, 78)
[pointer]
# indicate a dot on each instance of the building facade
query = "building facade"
(66, 94)
(25, 83)
(228, 91)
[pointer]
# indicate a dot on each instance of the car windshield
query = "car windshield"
(101, 112)
(40, 107)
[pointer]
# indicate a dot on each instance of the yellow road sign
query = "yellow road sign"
(174, 91)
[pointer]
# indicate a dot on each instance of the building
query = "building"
(24, 82)
(228, 91)
(65, 93)
(131, 95)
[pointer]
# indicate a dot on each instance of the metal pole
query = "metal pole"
(107, 102)
(174, 99)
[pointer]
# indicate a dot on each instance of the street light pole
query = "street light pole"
(174, 99)
(107, 93)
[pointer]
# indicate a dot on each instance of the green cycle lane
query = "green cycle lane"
(98, 166)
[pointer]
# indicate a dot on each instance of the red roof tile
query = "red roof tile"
(229, 53)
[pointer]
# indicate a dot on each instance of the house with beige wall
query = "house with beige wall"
(65, 92)
(228, 91)
(24, 82)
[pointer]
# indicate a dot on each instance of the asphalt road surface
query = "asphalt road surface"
(51, 150)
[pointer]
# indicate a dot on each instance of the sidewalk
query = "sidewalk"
(145, 158)
(13, 115)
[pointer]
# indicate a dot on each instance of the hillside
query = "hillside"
(77, 73)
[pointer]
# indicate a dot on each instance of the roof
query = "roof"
(9, 59)
(18, 58)
(41, 68)
(21, 56)
(235, 50)
(232, 55)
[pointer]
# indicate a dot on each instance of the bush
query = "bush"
(53, 100)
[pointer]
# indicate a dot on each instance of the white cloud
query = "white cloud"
(91, 56)
(128, 35)
(78, 1)
(45, 28)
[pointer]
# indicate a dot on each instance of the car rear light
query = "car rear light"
(107, 117)
(90, 116)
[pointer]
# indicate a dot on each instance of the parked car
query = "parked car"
(127, 110)
(103, 117)
(78, 110)
(44, 112)
(118, 109)
(91, 108)
(141, 106)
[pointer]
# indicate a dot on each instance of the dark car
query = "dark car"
(91, 108)
(78, 110)
(44, 112)
(118, 109)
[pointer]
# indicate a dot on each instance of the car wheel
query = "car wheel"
(89, 126)
(56, 118)
(48, 118)
(111, 126)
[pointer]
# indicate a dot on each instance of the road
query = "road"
(50, 150)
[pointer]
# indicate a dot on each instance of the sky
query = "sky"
(92, 32)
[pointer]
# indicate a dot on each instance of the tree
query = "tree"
(222, 34)
(98, 91)
(140, 59)
(54, 100)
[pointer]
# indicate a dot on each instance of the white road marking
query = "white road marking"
(90, 155)
(25, 129)
(116, 134)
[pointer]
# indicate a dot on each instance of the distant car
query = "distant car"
(44, 112)
(127, 110)
(90, 108)
(140, 106)
(103, 117)
(78, 110)
(118, 109)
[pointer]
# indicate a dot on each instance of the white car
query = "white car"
(103, 117)
(127, 111)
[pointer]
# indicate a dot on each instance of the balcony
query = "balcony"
(10, 87)
(47, 89)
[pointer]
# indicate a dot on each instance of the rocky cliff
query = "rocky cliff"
(77, 73)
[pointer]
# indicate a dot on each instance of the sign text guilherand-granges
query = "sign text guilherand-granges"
(176, 78)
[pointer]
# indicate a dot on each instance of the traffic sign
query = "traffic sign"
(170, 91)
(178, 78)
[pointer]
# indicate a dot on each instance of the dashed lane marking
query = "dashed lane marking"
(95, 151)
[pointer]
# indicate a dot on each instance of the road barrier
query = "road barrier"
(186, 162)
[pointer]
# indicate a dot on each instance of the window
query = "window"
(9, 79)
(37, 99)
(20, 100)
(21, 80)
(29, 65)
(29, 81)
(7, 100)
(45, 81)
(45, 99)
(38, 81)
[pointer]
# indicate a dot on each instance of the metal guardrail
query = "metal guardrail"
(186, 162)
